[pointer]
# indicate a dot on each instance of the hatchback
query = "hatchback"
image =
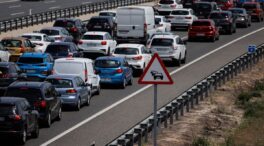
(242, 18)
(225, 20)
(114, 70)
(203, 9)
(36, 65)
(63, 49)
(165, 7)
(42, 96)
(18, 119)
(101, 23)
(59, 34)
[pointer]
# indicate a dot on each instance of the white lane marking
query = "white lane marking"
(15, 6)
(18, 13)
(86, 3)
(11, 1)
(139, 91)
(48, 2)
(56, 7)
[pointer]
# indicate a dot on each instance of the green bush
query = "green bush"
(254, 109)
(200, 141)
(256, 93)
(243, 98)
(259, 85)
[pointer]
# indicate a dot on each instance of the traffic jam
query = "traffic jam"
(67, 64)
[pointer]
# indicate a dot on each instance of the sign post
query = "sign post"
(155, 73)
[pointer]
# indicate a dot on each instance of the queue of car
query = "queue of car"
(65, 65)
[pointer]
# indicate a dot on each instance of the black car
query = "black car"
(203, 9)
(101, 23)
(63, 49)
(42, 96)
(74, 26)
(242, 18)
(9, 72)
(18, 119)
(225, 20)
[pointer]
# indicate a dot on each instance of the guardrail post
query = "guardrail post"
(16, 24)
(0, 27)
(145, 127)
(170, 109)
(164, 114)
(200, 87)
(219, 77)
(122, 141)
(223, 72)
(205, 85)
(195, 94)
(176, 109)
(181, 105)
(186, 101)
(215, 81)
(191, 94)
(32, 20)
(10, 25)
(139, 132)
(130, 136)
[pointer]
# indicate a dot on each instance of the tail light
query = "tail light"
(71, 91)
(73, 29)
(70, 55)
(173, 5)
(6, 76)
(138, 57)
(15, 117)
(85, 75)
(40, 104)
(80, 42)
(257, 11)
(104, 43)
(211, 28)
(119, 70)
(188, 17)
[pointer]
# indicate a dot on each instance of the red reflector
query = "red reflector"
(138, 57)
(188, 17)
(103, 42)
(71, 91)
(74, 29)
(119, 70)
(41, 104)
(80, 42)
(15, 117)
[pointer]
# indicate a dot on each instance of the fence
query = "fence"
(188, 99)
(40, 18)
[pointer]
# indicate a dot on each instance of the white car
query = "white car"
(136, 54)
(181, 18)
(164, 7)
(108, 13)
(161, 24)
(97, 42)
(169, 47)
(39, 39)
(4, 54)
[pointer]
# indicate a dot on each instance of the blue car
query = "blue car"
(114, 70)
(36, 65)
(74, 91)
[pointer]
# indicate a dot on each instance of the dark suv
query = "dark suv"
(225, 20)
(63, 49)
(203, 9)
(101, 23)
(41, 96)
(18, 119)
(9, 72)
(75, 26)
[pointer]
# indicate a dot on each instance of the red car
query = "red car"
(203, 28)
(225, 4)
(254, 9)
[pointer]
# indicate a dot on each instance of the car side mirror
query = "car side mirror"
(87, 84)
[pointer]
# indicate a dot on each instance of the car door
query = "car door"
(80, 85)
(146, 55)
(127, 70)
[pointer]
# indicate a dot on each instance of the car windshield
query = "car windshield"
(31, 94)
(33, 37)
(179, 12)
(157, 20)
(61, 83)
(236, 11)
(201, 23)
(166, 2)
(92, 37)
(64, 23)
(161, 42)
(3, 70)
(63, 67)
(127, 51)
(202, 7)
(107, 63)
(218, 15)
(50, 32)
(249, 6)
(58, 50)
(7, 109)
(30, 60)
(107, 14)
(12, 43)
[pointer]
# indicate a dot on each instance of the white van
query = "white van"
(135, 24)
(82, 67)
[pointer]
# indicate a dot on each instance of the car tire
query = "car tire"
(229, 31)
(130, 82)
(212, 39)
(218, 37)
(183, 61)
(22, 138)
(35, 133)
(78, 105)
(88, 100)
(98, 90)
(108, 52)
(123, 84)
(47, 122)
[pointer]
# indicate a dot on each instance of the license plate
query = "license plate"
(179, 17)
(91, 45)
(161, 49)
(106, 79)
(200, 34)
(30, 71)
(2, 118)
(164, 6)
(97, 26)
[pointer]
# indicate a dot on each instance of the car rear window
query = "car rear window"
(92, 37)
(161, 42)
(30, 60)
(179, 12)
(126, 51)
(64, 23)
(202, 7)
(61, 83)
(236, 11)
(7, 109)
(98, 20)
(218, 15)
(250, 6)
(58, 50)
(166, 2)
(107, 14)
(63, 67)
(50, 32)
(32, 37)
(107, 63)
(11, 43)
(3, 70)
(31, 94)
(201, 23)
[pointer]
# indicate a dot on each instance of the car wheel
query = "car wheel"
(229, 31)
(123, 84)
(212, 39)
(48, 121)
(108, 52)
(190, 39)
(78, 105)
(98, 90)
(35, 133)
(218, 37)
(234, 30)
(130, 82)
(59, 117)
(184, 59)
(22, 138)
(88, 100)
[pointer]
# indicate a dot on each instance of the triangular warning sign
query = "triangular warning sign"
(155, 72)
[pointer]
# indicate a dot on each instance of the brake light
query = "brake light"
(40, 104)
(138, 57)
(74, 29)
(15, 117)
(104, 43)
(173, 5)
(119, 70)
(85, 75)
(80, 42)
(188, 17)
(257, 11)
(70, 55)
(71, 91)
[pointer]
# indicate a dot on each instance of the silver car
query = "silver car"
(59, 34)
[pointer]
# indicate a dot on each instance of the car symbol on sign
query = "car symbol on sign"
(156, 75)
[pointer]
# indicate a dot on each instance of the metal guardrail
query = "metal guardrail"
(188, 99)
(49, 16)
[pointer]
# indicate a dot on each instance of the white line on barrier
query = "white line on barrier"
(18, 13)
(140, 90)
(86, 3)
(56, 7)
(15, 6)
(9, 1)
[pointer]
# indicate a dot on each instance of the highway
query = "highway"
(17, 8)
(135, 102)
